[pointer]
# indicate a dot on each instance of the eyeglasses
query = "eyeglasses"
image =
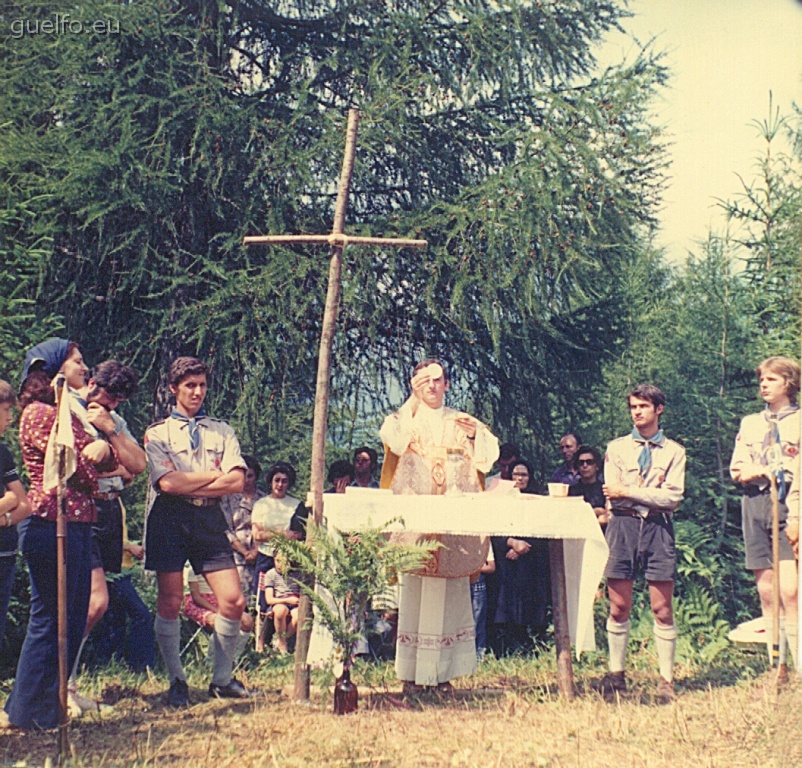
(585, 462)
(520, 474)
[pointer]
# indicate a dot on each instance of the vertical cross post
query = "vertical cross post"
(337, 240)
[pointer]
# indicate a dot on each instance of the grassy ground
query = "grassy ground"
(509, 713)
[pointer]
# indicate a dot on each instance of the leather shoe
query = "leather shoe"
(178, 695)
(234, 690)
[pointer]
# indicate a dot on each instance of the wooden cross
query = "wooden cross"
(337, 240)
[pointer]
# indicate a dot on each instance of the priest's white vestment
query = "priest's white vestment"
(427, 453)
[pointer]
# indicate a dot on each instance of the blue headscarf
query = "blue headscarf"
(52, 352)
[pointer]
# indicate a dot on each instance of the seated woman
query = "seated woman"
(238, 511)
(523, 582)
(201, 606)
(273, 515)
(282, 595)
(588, 464)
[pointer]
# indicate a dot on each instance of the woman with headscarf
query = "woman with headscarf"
(524, 586)
(33, 701)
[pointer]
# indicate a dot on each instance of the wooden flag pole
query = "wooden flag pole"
(775, 568)
(61, 577)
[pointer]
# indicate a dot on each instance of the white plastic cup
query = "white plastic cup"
(558, 489)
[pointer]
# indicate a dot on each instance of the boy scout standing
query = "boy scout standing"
(768, 443)
(644, 483)
(194, 460)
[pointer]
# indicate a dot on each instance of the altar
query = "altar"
(568, 519)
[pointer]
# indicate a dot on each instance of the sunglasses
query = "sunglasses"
(585, 462)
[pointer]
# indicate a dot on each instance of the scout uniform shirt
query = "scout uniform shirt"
(168, 447)
(662, 487)
(754, 445)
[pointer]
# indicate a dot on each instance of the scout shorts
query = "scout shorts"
(756, 522)
(641, 545)
(177, 531)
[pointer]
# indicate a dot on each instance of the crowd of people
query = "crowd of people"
(206, 508)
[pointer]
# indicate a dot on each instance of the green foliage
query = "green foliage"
(698, 332)
(22, 263)
(132, 163)
(349, 571)
(703, 630)
(16, 621)
(150, 153)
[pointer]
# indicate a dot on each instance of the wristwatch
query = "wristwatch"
(115, 431)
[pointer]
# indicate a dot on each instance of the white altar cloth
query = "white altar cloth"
(493, 514)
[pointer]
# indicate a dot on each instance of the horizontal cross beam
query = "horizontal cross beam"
(334, 239)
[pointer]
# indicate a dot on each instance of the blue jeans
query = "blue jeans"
(479, 605)
(115, 636)
(6, 585)
(33, 701)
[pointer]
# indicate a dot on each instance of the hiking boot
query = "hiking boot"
(234, 690)
(665, 691)
(612, 683)
(178, 695)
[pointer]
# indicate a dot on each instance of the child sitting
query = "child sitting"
(282, 595)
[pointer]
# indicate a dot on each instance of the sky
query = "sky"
(725, 56)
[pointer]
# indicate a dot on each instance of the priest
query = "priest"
(432, 449)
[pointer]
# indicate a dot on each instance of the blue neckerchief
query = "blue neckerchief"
(774, 448)
(194, 428)
(645, 456)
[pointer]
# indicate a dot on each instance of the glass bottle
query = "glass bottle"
(346, 695)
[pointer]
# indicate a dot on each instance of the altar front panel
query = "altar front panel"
(570, 519)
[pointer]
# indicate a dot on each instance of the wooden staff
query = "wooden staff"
(796, 481)
(775, 572)
(61, 578)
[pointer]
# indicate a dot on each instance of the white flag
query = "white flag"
(61, 439)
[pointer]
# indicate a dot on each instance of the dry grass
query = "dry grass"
(508, 714)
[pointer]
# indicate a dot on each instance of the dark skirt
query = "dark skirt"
(524, 585)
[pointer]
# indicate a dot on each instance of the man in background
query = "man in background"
(566, 473)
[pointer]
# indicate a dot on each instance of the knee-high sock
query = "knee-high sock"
(74, 672)
(768, 623)
(168, 637)
(617, 640)
(666, 642)
(225, 638)
(242, 642)
(792, 638)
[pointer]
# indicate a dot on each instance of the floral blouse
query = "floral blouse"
(35, 425)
